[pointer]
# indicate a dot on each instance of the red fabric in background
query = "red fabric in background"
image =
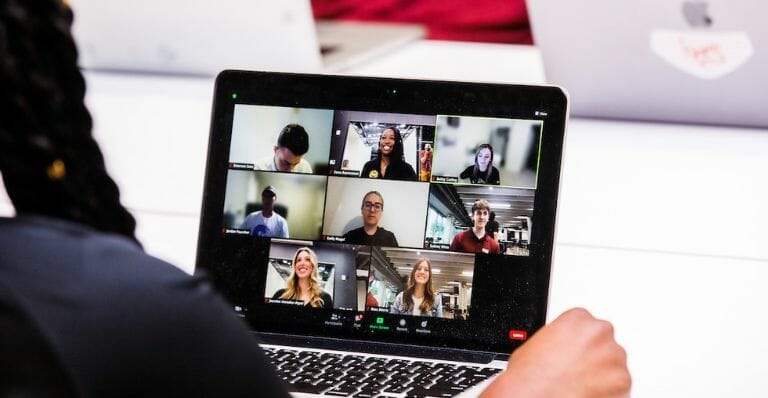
(498, 21)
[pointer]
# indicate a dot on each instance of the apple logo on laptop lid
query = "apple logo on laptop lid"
(702, 52)
(695, 12)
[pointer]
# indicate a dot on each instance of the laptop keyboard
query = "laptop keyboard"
(346, 375)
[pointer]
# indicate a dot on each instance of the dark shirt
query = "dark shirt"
(493, 179)
(382, 237)
(327, 300)
(467, 242)
(395, 171)
(103, 319)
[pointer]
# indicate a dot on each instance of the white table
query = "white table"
(660, 226)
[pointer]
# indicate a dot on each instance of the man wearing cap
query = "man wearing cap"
(266, 222)
(292, 144)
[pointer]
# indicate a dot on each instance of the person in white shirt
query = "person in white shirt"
(266, 222)
(292, 144)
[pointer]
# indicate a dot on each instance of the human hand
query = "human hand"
(574, 356)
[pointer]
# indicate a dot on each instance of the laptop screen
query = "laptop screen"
(402, 211)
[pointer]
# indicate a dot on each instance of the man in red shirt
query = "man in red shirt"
(475, 240)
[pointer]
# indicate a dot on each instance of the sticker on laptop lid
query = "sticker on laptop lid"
(706, 55)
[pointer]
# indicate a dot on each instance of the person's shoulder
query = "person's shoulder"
(495, 176)
(353, 232)
(109, 272)
(123, 301)
(407, 170)
(463, 234)
(303, 167)
(71, 245)
(265, 163)
(385, 232)
(385, 237)
(456, 239)
(278, 293)
(253, 215)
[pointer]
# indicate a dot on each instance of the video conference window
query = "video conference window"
(420, 283)
(279, 205)
(475, 219)
(382, 145)
(488, 151)
(382, 213)
(281, 139)
(318, 275)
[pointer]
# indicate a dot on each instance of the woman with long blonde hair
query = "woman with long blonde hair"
(419, 297)
(303, 283)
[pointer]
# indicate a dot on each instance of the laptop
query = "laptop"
(690, 61)
(353, 328)
(203, 38)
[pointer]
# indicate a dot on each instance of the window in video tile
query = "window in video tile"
(486, 151)
(420, 282)
(476, 219)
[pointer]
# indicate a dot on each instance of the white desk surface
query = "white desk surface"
(660, 226)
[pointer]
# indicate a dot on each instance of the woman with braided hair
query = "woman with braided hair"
(84, 312)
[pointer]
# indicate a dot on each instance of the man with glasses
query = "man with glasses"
(370, 233)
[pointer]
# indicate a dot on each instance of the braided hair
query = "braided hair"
(49, 160)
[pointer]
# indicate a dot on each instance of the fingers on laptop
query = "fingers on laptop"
(574, 356)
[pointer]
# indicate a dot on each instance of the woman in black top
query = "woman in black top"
(390, 163)
(303, 282)
(482, 172)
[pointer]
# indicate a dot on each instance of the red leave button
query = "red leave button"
(520, 335)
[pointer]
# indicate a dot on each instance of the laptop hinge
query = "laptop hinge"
(369, 347)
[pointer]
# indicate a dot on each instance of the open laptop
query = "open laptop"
(198, 37)
(693, 61)
(485, 299)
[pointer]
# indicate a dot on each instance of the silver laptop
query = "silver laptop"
(204, 37)
(692, 61)
(360, 332)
